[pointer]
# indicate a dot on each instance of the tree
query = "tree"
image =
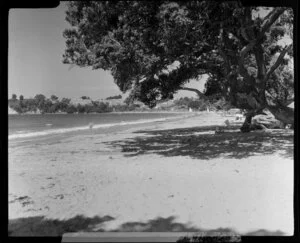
(21, 97)
(54, 98)
(40, 101)
(154, 48)
(30, 104)
(17, 107)
(47, 106)
(71, 109)
(64, 104)
(80, 108)
(14, 97)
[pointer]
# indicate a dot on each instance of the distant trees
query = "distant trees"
(114, 97)
(40, 103)
(14, 97)
(52, 105)
(202, 104)
(85, 97)
(71, 109)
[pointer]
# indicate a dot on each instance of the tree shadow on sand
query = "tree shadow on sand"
(203, 143)
(40, 226)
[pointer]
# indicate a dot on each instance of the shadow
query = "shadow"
(203, 143)
(156, 225)
(263, 232)
(40, 226)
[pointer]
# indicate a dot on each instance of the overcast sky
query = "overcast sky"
(35, 64)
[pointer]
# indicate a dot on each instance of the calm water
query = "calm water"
(38, 125)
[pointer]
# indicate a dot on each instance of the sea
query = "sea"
(29, 125)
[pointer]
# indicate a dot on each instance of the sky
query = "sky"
(36, 46)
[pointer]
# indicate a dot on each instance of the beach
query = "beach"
(169, 175)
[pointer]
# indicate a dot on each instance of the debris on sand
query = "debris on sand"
(219, 130)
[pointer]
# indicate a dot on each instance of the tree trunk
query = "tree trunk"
(284, 114)
(247, 123)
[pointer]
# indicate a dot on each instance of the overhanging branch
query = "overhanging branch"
(267, 23)
(278, 61)
(198, 92)
(270, 19)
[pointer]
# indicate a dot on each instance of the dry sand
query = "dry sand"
(85, 174)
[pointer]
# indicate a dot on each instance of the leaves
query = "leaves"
(137, 40)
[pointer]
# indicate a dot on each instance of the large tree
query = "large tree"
(153, 48)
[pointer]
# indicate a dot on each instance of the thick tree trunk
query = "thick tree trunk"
(284, 114)
(247, 123)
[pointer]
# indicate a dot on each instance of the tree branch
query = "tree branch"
(243, 71)
(267, 23)
(246, 49)
(243, 53)
(278, 61)
(198, 92)
(260, 62)
(226, 62)
(270, 19)
(288, 102)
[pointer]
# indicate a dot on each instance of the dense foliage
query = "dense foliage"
(138, 41)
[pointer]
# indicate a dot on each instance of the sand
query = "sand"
(91, 174)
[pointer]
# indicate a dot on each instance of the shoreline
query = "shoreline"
(96, 126)
(112, 112)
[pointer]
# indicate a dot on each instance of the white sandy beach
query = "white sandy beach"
(89, 174)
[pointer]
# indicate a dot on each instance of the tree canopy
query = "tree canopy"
(140, 42)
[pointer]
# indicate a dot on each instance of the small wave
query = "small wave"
(87, 127)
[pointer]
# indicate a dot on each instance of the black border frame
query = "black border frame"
(4, 16)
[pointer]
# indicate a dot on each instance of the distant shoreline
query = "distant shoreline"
(112, 112)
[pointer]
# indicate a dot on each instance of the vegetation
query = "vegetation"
(202, 104)
(116, 97)
(42, 104)
(138, 41)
